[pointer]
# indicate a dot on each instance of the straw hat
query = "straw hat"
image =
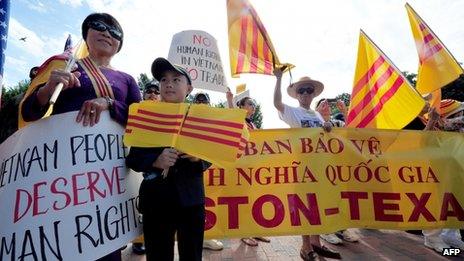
(449, 107)
(305, 81)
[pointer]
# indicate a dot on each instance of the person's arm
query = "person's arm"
(229, 97)
(278, 90)
(120, 109)
(434, 118)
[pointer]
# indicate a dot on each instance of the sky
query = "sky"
(319, 37)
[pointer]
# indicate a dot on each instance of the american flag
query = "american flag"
(68, 44)
(4, 18)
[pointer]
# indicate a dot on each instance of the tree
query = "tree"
(143, 80)
(10, 106)
(345, 97)
(412, 77)
(453, 90)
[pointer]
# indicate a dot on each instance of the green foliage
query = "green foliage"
(142, 80)
(9, 111)
(412, 77)
(345, 97)
(454, 90)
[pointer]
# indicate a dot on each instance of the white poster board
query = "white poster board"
(197, 52)
(65, 191)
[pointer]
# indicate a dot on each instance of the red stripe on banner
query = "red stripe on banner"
(128, 130)
(432, 51)
(100, 84)
(254, 50)
(428, 38)
(217, 122)
(243, 140)
(209, 138)
(243, 43)
(422, 26)
(385, 98)
(365, 79)
(371, 94)
(331, 211)
(267, 61)
(150, 128)
(213, 130)
(169, 123)
(161, 115)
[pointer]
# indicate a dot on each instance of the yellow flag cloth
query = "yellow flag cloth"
(381, 98)
(250, 48)
(437, 67)
(154, 124)
(240, 88)
(53, 63)
(212, 134)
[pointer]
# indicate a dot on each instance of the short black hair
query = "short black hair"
(33, 72)
(105, 18)
(243, 100)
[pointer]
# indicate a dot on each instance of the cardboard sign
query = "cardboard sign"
(66, 193)
(197, 51)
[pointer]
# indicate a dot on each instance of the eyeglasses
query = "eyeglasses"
(201, 100)
(152, 91)
(101, 27)
(308, 90)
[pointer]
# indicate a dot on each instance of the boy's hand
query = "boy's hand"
(166, 159)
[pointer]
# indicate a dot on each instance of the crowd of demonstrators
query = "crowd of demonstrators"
(304, 90)
(173, 205)
(104, 38)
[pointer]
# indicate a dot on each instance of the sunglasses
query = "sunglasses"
(101, 27)
(152, 91)
(202, 101)
(308, 90)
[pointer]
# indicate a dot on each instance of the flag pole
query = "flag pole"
(174, 140)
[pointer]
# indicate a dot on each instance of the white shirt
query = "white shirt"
(298, 117)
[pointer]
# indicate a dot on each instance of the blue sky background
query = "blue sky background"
(319, 37)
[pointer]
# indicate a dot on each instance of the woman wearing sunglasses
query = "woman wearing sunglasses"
(304, 90)
(94, 85)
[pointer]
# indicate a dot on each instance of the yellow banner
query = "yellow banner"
(305, 181)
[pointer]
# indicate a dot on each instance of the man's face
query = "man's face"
(152, 94)
(174, 87)
(305, 95)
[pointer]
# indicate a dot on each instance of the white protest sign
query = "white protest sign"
(65, 191)
(197, 52)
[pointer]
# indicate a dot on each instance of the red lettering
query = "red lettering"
(219, 177)
(257, 211)
(250, 148)
(353, 202)
(419, 207)
(35, 204)
(54, 190)
(456, 209)
(93, 179)
(306, 145)
(76, 189)
(232, 205)
(380, 206)
(266, 149)
(310, 211)
(17, 216)
(210, 217)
